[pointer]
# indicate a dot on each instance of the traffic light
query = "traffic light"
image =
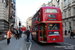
(19, 23)
(52, 4)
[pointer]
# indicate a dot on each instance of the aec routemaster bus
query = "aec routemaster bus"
(47, 25)
(23, 29)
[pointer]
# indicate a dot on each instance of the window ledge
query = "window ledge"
(69, 4)
(73, 2)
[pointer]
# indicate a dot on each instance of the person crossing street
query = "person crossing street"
(28, 34)
(8, 33)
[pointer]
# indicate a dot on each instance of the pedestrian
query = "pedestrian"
(15, 32)
(72, 34)
(65, 32)
(18, 32)
(28, 34)
(69, 31)
(8, 33)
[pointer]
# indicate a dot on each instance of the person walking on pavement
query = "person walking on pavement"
(28, 34)
(15, 32)
(71, 34)
(18, 33)
(8, 33)
(65, 32)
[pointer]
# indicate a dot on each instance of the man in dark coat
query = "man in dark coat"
(17, 33)
(20, 33)
(28, 34)
(71, 35)
(65, 32)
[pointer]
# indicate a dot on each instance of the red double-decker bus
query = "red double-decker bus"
(23, 29)
(47, 25)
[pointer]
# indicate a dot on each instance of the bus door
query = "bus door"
(42, 33)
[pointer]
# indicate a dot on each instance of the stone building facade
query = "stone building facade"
(7, 16)
(28, 23)
(4, 24)
(69, 15)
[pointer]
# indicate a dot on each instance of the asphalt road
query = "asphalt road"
(22, 44)
(68, 44)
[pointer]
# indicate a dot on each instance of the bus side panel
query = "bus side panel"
(61, 31)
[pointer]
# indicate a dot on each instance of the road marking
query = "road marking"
(25, 46)
(30, 45)
(69, 44)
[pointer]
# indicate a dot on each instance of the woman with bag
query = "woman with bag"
(8, 33)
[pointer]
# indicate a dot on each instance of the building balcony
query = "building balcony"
(6, 3)
(13, 20)
(13, 14)
(13, 7)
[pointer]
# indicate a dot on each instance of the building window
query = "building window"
(70, 25)
(69, 12)
(65, 14)
(74, 10)
(3, 1)
(74, 23)
(69, 1)
(65, 2)
(65, 25)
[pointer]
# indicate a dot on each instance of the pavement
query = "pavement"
(18, 44)
(68, 35)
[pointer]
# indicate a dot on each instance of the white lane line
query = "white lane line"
(69, 44)
(30, 45)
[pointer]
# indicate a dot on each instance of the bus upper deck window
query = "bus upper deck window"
(51, 11)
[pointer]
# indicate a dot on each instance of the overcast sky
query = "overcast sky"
(27, 8)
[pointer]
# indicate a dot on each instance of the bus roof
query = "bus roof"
(44, 7)
(49, 7)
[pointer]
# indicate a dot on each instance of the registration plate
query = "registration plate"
(54, 39)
